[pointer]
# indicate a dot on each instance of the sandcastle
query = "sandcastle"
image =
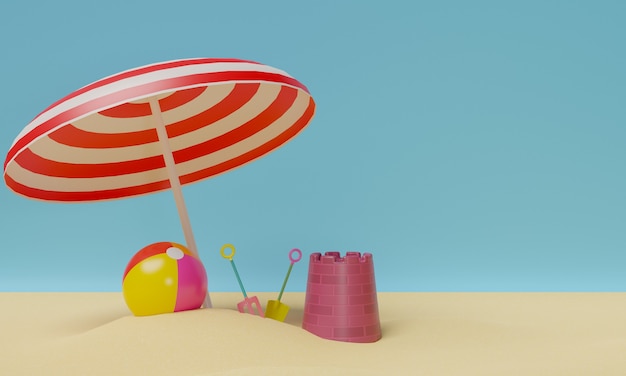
(341, 302)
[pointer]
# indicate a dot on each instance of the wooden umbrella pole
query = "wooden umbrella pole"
(175, 184)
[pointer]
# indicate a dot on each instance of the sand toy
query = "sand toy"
(250, 304)
(275, 309)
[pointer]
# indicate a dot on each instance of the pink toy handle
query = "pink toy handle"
(293, 259)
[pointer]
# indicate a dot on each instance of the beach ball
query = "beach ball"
(163, 278)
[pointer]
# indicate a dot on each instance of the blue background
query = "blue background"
(470, 146)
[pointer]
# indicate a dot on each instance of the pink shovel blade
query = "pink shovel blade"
(250, 305)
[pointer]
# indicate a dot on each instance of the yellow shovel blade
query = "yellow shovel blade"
(276, 310)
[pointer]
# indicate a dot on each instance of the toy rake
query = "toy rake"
(251, 304)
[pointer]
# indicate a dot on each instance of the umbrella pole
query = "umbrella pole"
(175, 184)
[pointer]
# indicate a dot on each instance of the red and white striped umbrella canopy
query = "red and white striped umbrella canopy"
(100, 142)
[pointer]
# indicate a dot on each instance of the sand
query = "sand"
(423, 334)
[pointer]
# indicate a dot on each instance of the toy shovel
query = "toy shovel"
(275, 309)
(249, 304)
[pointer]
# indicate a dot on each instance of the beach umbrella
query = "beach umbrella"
(155, 128)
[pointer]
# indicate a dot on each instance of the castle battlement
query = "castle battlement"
(341, 301)
(349, 258)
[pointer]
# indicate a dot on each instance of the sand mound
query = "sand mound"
(105, 339)
(192, 343)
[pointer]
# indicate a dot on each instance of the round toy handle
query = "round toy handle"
(291, 258)
(231, 254)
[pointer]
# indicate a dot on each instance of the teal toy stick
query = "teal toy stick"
(293, 261)
(243, 290)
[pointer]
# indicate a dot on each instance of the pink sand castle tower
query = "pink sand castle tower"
(341, 301)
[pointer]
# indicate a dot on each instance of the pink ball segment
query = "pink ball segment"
(164, 277)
